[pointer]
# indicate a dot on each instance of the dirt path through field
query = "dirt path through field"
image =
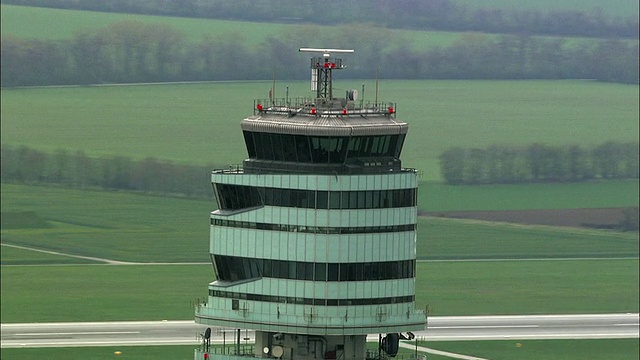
(604, 218)
(101, 260)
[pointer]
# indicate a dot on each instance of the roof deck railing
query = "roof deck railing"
(318, 107)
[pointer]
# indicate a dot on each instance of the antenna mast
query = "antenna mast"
(321, 70)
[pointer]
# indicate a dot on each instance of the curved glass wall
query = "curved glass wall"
(320, 149)
(234, 197)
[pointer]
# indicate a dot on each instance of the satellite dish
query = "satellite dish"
(277, 351)
(352, 95)
(265, 350)
(207, 333)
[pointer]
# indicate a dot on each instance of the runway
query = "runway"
(132, 333)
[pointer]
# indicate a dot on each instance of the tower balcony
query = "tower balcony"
(313, 320)
(305, 106)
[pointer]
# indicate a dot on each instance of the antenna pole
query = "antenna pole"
(376, 85)
(273, 87)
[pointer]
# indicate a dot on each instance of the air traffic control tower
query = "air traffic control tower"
(313, 244)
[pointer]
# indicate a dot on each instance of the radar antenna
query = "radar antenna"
(321, 70)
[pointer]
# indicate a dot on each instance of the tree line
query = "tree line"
(499, 164)
(25, 165)
(439, 15)
(131, 52)
(495, 164)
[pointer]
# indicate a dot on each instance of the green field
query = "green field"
(615, 8)
(101, 353)
(434, 196)
(122, 226)
(168, 292)
(47, 23)
(199, 124)
(55, 24)
(617, 349)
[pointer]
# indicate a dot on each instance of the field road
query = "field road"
(440, 328)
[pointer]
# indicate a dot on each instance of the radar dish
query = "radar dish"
(352, 95)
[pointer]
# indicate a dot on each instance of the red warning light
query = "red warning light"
(259, 107)
(391, 111)
(206, 355)
(313, 111)
(344, 111)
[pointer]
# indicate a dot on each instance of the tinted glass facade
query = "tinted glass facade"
(320, 149)
(234, 197)
(234, 268)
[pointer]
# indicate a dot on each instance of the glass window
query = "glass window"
(344, 274)
(302, 148)
(292, 270)
(385, 145)
(332, 272)
(375, 143)
(354, 147)
(288, 147)
(325, 144)
(277, 197)
(322, 200)
(308, 271)
(384, 198)
(266, 268)
(213, 263)
(278, 151)
(359, 271)
(375, 198)
(301, 270)
(246, 268)
(248, 140)
(368, 199)
(275, 268)
(398, 147)
(334, 200)
(257, 140)
(353, 199)
(320, 272)
(267, 146)
(361, 199)
(284, 269)
(345, 200)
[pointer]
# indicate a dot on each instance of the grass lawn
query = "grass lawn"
(101, 353)
(609, 349)
(622, 349)
(528, 287)
(200, 123)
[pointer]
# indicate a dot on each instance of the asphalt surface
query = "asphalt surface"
(598, 326)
